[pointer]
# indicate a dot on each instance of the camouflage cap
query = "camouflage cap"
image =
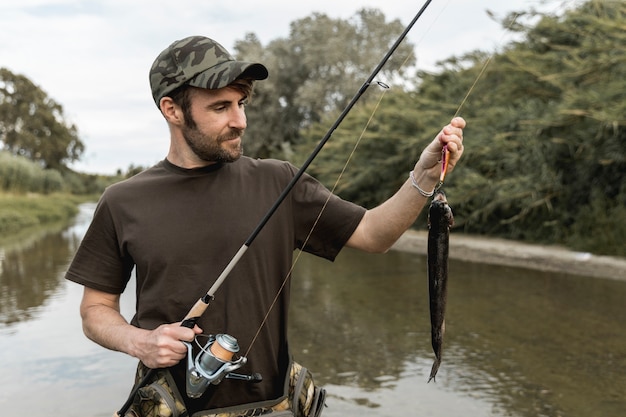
(200, 62)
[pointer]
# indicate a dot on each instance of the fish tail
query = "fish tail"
(434, 369)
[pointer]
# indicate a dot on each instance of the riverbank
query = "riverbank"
(22, 212)
(517, 254)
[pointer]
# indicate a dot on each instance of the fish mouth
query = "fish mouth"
(440, 196)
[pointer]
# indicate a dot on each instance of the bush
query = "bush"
(18, 174)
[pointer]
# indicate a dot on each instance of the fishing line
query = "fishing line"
(385, 87)
(500, 42)
(332, 191)
(484, 67)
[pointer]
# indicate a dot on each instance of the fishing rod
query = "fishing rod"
(203, 302)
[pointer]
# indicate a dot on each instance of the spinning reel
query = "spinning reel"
(213, 363)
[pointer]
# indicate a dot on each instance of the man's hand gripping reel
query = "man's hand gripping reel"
(214, 362)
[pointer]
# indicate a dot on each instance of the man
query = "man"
(180, 222)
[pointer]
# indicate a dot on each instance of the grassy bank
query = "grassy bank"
(19, 212)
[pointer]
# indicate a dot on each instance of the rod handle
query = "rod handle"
(196, 311)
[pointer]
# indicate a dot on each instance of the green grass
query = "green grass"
(23, 211)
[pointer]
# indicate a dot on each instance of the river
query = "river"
(518, 343)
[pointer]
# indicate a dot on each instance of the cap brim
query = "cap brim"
(255, 71)
(221, 75)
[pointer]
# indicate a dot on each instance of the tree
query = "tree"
(33, 125)
(582, 54)
(316, 71)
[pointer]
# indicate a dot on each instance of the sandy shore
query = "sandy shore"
(511, 253)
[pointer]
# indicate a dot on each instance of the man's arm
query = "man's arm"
(382, 226)
(104, 324)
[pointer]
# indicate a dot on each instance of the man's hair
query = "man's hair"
(182, 96)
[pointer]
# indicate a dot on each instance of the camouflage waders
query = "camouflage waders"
(162, 399)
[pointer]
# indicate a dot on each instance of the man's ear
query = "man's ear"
(171, 111)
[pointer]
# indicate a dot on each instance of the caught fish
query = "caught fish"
(440, 219)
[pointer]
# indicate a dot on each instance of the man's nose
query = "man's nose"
(238, 118)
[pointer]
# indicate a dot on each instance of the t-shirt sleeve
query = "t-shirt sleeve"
(100, 262)
(325, 221)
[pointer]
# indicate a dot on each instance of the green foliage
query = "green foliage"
(545, 143)
(566, 122)
(18, 174)
(32, 124)
(87, 184)
(607, 217)
(21, 175)
(381, 163)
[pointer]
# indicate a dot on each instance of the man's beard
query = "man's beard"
(209, 148)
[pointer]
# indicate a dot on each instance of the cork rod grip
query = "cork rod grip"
(196, 311)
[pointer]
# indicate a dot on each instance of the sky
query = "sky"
(93, 56)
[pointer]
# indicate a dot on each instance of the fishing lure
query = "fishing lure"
(445, 159)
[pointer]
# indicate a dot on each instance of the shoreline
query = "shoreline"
(504, 252)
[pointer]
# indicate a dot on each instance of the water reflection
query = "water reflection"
(518, 343)
(546, 343)
(30, 274)
(357, 321)
(528, 343)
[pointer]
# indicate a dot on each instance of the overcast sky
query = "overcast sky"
(93, 56)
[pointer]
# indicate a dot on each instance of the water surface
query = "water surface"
(518, 342)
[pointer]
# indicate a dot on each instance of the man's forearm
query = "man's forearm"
(382, 226)
(107, 327)
(103, 323)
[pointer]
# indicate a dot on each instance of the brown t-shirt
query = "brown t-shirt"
(179, 228)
